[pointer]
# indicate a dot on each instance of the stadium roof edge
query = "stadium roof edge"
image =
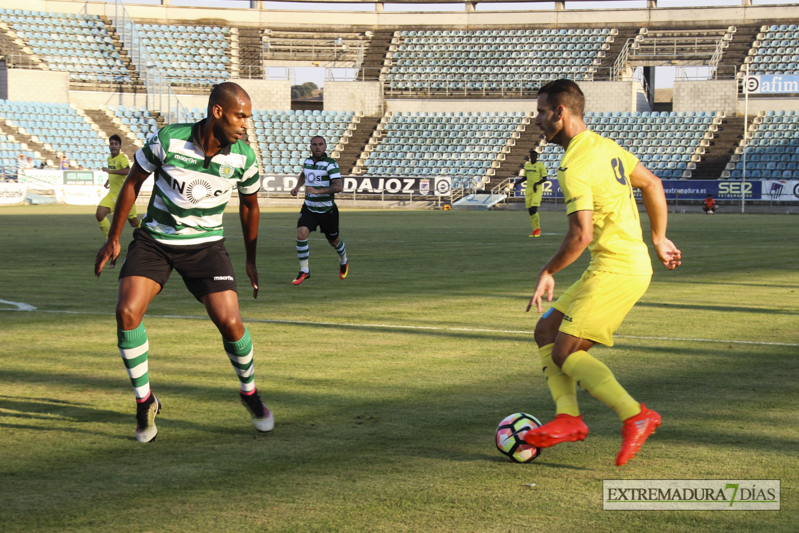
(244, 17)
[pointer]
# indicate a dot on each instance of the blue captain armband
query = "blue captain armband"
(546, 315)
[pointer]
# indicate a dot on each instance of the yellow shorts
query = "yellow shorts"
(595, 306)
(110, 201)
(535, 199)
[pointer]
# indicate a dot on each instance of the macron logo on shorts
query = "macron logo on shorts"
(223, 278)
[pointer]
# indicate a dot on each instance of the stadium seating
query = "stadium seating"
(464, 146)
(59, 126)
(9, 151)
(136, 120)
(477, 60)
(669, 144)
(283, 137)
(775, 51)
(67, 42)
(773, 149)
(188, 55)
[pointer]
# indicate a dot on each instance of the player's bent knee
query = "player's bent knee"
(128, 317)
(231, 328)
(532, 210)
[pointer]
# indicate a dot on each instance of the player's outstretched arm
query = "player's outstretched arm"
(127, 197)
(655, 204)
(250, 215)
(579, 236)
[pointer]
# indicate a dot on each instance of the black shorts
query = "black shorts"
(327, 222)
(205, 268)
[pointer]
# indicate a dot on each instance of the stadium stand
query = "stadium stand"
(58, 127)
(773, 148)
(189, 55)
(775, 50)
(283, 137)
(463, 145)
(492, 60)
(9, 151)
(82, 45)
(669, 144)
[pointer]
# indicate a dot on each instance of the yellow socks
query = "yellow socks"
(598, 380)
(535, 220)
(105, 225)
(562, 387)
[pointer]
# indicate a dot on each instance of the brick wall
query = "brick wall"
(360, 96)
(267, 94)
(710, 95)
(611, 95)
(33, 85)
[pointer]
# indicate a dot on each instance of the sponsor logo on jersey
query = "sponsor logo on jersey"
(197, 190)
(185, 159)
(226, 171)
(567, 318)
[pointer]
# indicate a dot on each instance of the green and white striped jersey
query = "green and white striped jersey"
(319, 174)
(192, 190)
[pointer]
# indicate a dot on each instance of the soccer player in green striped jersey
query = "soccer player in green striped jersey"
(195, 167)
(322, 179)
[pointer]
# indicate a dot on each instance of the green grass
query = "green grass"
(380, 428)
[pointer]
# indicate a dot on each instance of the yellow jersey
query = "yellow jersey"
(534, 172)
(116, 180)
(594, 175)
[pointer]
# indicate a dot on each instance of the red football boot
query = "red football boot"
(634, 433)
(565, 428)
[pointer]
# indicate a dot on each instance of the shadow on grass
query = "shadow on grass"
(726, 308)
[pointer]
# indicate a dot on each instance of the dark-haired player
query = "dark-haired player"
(322, 179)
(117, 170)
(597, 177)
(196, 167)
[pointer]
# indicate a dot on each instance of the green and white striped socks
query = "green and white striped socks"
(303, 252)
(341, 250)
(133, 347)
(240, 354)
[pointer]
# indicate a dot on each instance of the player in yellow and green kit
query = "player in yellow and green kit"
(597, 177)
(117, 170)
(535, 174)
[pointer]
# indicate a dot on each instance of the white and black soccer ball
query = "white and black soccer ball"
(510, 437)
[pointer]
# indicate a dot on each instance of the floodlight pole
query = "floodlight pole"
(746, 128)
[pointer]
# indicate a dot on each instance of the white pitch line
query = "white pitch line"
(400, 326)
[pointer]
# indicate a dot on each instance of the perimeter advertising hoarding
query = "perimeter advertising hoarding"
(687, 190)
(434, 186)
(772, 84)
(12, 193)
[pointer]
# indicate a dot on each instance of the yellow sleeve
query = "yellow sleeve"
(630, 162)
(123, 161)
(576, 189)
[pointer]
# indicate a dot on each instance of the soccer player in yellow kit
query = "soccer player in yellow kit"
(117, 170)
(597, 177)
(535, 174)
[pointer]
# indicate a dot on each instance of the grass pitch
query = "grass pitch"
(387, 387)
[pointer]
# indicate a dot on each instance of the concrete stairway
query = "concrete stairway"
(721, 149)
(33, 144)
(250, 57)
(109, 127)
(356, 144)
(375, 55)
(514, 161)
(619, 40)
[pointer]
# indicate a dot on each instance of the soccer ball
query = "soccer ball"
(510, 437)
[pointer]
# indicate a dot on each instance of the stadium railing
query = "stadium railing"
(160, 96)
